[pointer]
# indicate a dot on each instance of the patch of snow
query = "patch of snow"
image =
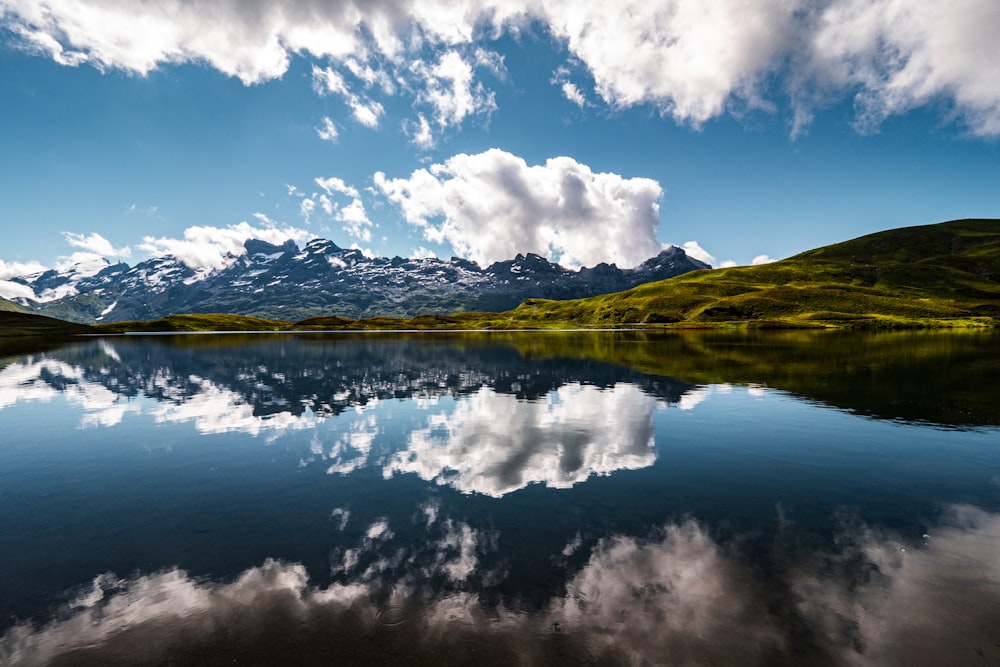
(52, 294)
(261, 258)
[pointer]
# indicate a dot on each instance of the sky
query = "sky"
(585, 131)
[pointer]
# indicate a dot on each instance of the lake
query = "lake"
(501, 498)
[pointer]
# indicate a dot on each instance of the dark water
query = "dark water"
(501, 499)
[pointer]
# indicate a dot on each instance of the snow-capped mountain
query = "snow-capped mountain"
(293, 283)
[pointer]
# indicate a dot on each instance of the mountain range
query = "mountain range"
(291, 283)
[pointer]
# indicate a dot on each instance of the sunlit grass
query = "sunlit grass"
(943, 275)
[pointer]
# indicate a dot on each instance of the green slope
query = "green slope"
(933, 275)
(10, 306)
(195, 322)
(941, 275)
(26, 324)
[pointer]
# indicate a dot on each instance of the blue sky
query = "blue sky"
(583, 131)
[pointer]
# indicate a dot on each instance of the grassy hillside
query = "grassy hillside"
(934, 275)
(206, 322)
(25, 324)
(10, 306)
(943, 275)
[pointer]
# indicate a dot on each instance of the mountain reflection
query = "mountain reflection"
(676, 596)
(486, 420)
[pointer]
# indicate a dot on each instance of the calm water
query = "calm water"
(502, 499)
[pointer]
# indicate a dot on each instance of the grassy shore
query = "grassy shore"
(933, 276)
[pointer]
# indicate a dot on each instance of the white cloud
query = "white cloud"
(81, 263)
(573, 94)
(692, 249)
(327, 131)
(327, 80)
(761, 259)
(17, 269)
(691, 59)
(367, 252)
(420, 132)
(207, 248)
(97, 244)
(337, 185)
(306, 208)
(327, 204)
(12, 290)
(422, 253)
(451, 91)
(687, 57)
(728, 264)
(355, 219)
(901, 54)
(493, 205)
(352, 214)
(365, 111)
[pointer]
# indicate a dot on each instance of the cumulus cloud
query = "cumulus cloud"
(97, 244)
(334, 185)
(207, 248)
(687, 57)
(693, 249)
(493, 205)
(13, 290)
(10, 270)
(356, 222)
(898, 55)
(691, 59)
(761, 259)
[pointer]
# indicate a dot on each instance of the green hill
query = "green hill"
(946, 274)
(195, 322)
(14, 323)
(11, 307)
(942, 275)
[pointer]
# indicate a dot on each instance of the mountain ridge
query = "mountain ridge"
(941, 275)
(290, 283)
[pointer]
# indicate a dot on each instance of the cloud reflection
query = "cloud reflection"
(929, 601)
(494, 444)
(677, 597)
(482, 441)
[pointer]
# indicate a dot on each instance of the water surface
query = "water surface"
(601, 498)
